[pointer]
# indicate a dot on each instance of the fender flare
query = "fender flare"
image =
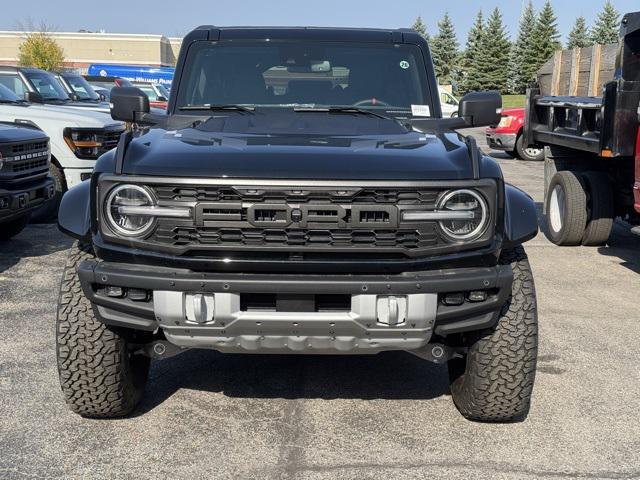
(74, 218)
(520, 217)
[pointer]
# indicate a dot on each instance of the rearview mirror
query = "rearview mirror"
(481, 109)
(128, 104)
(33, 97)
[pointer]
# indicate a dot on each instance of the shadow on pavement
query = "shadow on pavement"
(624, 245)
(34, 241)
(389, 376)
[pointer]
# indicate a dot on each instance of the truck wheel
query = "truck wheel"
(494, 380)
(600, 209)
(49, 211)
(100, 376)
(528, 154)
(14, 227)
(566, 209)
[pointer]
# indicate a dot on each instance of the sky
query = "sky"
(178, 17)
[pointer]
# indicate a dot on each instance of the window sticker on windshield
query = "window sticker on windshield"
(420, 110)
(404, 64)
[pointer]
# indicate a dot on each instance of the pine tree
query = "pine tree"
(522, 58)
(607, 24)
(494, 49)
(579, 36)
(545, 36)
(468, 76)
(421, 28)
(444, 48)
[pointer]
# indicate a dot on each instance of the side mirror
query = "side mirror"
(102, 97)
(481, 109)
(33, 97)
(74, 97)
(162, 99)
(128, 104)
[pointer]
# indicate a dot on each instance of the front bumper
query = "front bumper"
(209, 310)
(501, 141)
(21, 199)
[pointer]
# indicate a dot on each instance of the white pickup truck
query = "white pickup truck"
(78, 137)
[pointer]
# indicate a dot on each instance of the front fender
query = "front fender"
(74, 217)
(520, 218)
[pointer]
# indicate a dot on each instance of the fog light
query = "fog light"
(137, 295)
(112, 291)
(477, 296)
(453, 299)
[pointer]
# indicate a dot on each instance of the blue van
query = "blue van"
(134, 73)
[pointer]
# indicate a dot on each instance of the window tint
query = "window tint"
(299, 73)
(81, 87)
(47, 85)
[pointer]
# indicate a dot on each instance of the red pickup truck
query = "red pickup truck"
(507, 136)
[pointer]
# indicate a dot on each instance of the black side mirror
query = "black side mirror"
(102, 97)
(128, 104)
(74, 97)
(33, 97)
(481, 109)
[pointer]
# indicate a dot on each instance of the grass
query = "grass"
(513, 101)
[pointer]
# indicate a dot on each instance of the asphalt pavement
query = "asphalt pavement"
(206, 415)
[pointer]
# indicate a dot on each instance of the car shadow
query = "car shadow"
(34, 241)
(624, 245)
(388, 375)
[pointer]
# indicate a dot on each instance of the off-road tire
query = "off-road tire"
(600, 209)
(493, 382)
(521, 151)
(573, 217)
(49, 211)
(14, 227)
(99, 375)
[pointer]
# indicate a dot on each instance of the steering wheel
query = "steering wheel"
(371, 102)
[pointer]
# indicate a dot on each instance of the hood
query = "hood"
(10, 132)
(71, 116)
(294, 146)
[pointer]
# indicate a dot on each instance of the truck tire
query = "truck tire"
(99, 374)
(49, 211)
(599, 207)
(493, 382)
(566, 209)
(14, 227)
(528, 154)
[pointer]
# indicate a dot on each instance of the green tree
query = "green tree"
(444, 48)
(40, 50)
(421, 28)
(546, 38)
(522, 59)
(607, 24)
(470, 59)
(494, 54)
(579, 36)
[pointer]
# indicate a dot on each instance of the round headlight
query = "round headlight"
(471, 208)
(128, 224)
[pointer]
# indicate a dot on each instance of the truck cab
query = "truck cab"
(302, 195)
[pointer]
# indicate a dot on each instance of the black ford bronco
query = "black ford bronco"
(24, 176)
(303, 195)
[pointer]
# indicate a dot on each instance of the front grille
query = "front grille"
(25, 161)
(29, 147)
(29, 165)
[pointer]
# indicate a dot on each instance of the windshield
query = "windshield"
(316, 74)
(7, 95)
(81, 87)
(47, 85)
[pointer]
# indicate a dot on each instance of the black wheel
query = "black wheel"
(49, 211)
(14, 227)
(599, 207)
(566, 209)
(99, 374)
(494, 380)
(530, 154)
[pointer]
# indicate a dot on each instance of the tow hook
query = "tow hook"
(161, 349)
(437, 353)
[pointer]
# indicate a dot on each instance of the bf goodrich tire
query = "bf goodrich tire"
(529, 154)
(566, 209)
(99, 375)
(494, 381)
(49, 211)
(600, 209)
(14, 227)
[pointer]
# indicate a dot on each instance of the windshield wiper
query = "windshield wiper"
(346, 109)
(221, 107)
